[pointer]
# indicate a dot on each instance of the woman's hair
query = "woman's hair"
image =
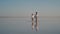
(32, 13)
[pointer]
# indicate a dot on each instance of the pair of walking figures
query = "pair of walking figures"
(35, 21)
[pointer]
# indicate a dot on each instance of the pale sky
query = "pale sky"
(27, 7)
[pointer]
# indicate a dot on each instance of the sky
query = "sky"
(27, 7)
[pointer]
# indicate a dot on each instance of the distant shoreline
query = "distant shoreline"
(29, 17)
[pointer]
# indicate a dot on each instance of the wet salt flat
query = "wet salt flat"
(23, 26)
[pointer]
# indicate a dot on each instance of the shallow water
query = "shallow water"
(23, 26)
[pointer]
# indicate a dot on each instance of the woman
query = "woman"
(32, 21)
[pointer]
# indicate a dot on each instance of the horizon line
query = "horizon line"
(28, 16)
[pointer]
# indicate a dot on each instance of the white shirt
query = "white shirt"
(32, 16)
